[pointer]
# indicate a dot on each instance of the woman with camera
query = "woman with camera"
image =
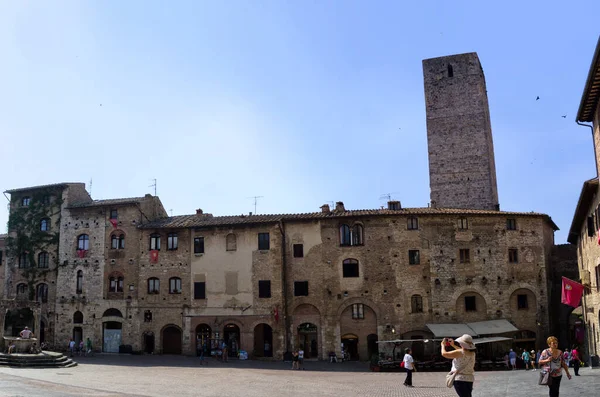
(463, 363)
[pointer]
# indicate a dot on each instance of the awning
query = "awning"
(492, 327)
(450, 330)
(490, 339)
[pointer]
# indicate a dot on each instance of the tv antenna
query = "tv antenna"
(153, 185)
(387, 196)
(255, 201)
(90, 187)
(171, 211)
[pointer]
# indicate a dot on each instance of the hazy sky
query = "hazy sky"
(302, 102)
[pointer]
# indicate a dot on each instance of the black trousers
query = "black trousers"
(555, 386)
(462, 388)
(576, 367)
(408, 380)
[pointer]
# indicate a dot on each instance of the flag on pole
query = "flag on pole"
(571, 292)
(81, 253)
(114, 222)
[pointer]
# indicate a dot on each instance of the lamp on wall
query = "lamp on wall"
(393, 329)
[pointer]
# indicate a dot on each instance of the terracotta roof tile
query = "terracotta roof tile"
(101, 203)
(23, 189)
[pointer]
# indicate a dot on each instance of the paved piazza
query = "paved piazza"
(106, 375)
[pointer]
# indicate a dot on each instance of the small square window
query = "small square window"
(522, 303)
(300, 288)
(198, 245)
(263, 241)
(172, 242)
(264, 288)
(413, 223)
(511, 224)
(463, 223)
(414, 257)
(114, 214)
(513, 255)
(350, 268)
(25, 201)
(470, 304)
(465, 255)
(298, 251)
(200, 290)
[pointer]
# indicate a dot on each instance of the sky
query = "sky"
(300, 102)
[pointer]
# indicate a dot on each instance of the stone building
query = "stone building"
(585, 228)
(462, 170)
(2, 262)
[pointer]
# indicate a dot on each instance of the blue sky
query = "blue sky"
(302, 102)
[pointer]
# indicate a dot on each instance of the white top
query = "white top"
(26, 334)
(408, 362)
(465, 364)
(300, 353)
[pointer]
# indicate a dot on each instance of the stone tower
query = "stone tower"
(462, 173)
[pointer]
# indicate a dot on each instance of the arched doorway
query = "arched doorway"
(77, 335)
(171, 340)
(111, 338)
(231, 336)
(263, 340)
(16, 320)
(308, 339)
(203, 334)
(42, 336)
(350, 346)
(148, 342)
(372, 345)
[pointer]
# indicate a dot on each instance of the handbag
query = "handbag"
(545, 378)
(450, 378)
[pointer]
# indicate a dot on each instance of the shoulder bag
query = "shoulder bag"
(450, 378)
(545, 379)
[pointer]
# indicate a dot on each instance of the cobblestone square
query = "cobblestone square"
(106, 375)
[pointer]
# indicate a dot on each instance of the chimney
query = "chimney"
(339, 206)
(325, 209)
(199, 211)
(394, 205)
(250, 214)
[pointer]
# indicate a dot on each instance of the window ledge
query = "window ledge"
(263, 251)
(199, 254)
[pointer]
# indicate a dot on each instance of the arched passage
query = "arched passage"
(359, 320)
(203, 335)
(171, 340)
(263, 340)
(231, 337)
(111, 336)
(308, 339)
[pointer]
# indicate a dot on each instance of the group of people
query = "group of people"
(83, 349)
(529, 358)
(463, 354)
(298, 358)
(25, 334)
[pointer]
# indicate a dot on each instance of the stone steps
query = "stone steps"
(41, 360)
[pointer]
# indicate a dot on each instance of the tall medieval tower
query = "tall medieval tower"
(462, 173)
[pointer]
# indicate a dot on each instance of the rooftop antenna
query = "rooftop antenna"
(387, 196)
(90, 187)
(255, 201)
(171, 211)
(332, 203)
(153, 185)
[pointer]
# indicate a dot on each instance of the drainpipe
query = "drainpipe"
(284, 288)
(591, 127)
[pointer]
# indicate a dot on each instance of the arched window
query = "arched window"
(153, 285)
(78, 318)
(416, 304)
(45, 225)
(21, 290)
(117, 241)
(357, 234)
(155, 242)
(345, 235)
(83, 242)
(24, 260)
(231, 242)
(115, 284)
(41, 293)
(175, 285)
(79, 286)
(43, 260)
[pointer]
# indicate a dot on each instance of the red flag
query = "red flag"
(114, 222)
(571, 292)
(154, 256)
(276, 314)
(81, 253)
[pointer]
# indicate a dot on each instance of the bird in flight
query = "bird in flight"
(537, 99)
(564, 117)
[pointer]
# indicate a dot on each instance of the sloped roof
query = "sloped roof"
(108, 202)
(206, 220)
(591, 91)
(24, 189)
(589, 189)
(3, 236)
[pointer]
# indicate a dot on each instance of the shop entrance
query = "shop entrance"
(231, 336)
(308, 339)
(111, 336)
(203, 333)
(149, 342)
(350, 343)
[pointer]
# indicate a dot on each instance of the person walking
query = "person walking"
(532, 359)
(88, 346)
(72, 347)
(463, 363)
(295, 360)
(300, 358)
(513, 359)
(553, 362)
(575, 357)
(408, 366)
(567, 357)
(525, 358)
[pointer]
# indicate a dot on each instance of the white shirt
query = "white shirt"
(26, 334)
(408, 362)
(301, 354)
